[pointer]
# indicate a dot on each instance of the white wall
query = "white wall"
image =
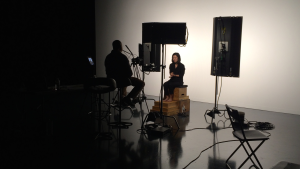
(270, 56)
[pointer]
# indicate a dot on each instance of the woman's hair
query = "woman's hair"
(178, 55)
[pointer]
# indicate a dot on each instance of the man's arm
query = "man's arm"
(126, 67)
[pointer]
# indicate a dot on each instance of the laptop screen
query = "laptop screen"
(90, 60)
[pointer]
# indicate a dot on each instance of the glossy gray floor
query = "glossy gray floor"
(56, 131)
(130, 149)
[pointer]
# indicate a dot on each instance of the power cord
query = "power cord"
(258, 125)
(202, 128)
(253, 166)
(223, 114)
(187, 38)
(207, 149)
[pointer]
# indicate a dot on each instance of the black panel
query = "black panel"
(164, 33)
(144, 54)
(155, 57)
(150, 55)
(225, 61)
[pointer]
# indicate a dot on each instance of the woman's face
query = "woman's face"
(174, 58)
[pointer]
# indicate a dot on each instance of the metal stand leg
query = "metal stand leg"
(120, 124)
(102, 135)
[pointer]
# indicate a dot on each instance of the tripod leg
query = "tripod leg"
(175, 120)
(144, 121)
(147, 106)
(211, 123)
(141, 107)
(145, 98)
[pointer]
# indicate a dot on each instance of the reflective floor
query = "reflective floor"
(74, 146)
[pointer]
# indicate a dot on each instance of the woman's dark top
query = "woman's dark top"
(177, 71)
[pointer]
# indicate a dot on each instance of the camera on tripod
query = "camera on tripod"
(137, 61)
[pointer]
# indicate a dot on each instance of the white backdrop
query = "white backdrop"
(269, 71)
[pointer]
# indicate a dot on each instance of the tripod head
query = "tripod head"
(136, 61)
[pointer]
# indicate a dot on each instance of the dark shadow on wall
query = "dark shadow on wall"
(45, 40)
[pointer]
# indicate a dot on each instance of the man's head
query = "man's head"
(117, 45)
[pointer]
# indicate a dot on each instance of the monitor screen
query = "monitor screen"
(150, 55)
(90, 60)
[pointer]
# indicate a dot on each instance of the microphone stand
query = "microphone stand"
(126, 52)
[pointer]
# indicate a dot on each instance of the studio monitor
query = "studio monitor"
(150, 55)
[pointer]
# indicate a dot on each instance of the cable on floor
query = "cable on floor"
(203, 128)
(207, 149)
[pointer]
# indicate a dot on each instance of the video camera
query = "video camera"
(136, 61)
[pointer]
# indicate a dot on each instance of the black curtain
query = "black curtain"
(45, 40)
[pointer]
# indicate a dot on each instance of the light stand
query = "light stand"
(161, 129)
(163, 66)
(161, 89)
(215, 110)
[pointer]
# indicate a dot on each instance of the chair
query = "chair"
(244, 136)
(121, 83)
(100, 86)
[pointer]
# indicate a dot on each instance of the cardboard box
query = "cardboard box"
(184, 106)
(180, 94)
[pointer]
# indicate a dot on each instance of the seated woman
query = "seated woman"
(177, 70)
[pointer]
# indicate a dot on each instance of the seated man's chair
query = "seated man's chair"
(121, 83)
(100, 86)
(244, 136)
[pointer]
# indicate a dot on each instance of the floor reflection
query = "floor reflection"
(214, 161)
(174, 147)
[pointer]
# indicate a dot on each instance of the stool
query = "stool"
(121, 83)
(100, 86)
(180, 93)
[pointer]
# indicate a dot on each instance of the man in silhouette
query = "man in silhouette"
(117, 67)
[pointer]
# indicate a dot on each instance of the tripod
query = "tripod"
(134, 63)
(143, 97)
